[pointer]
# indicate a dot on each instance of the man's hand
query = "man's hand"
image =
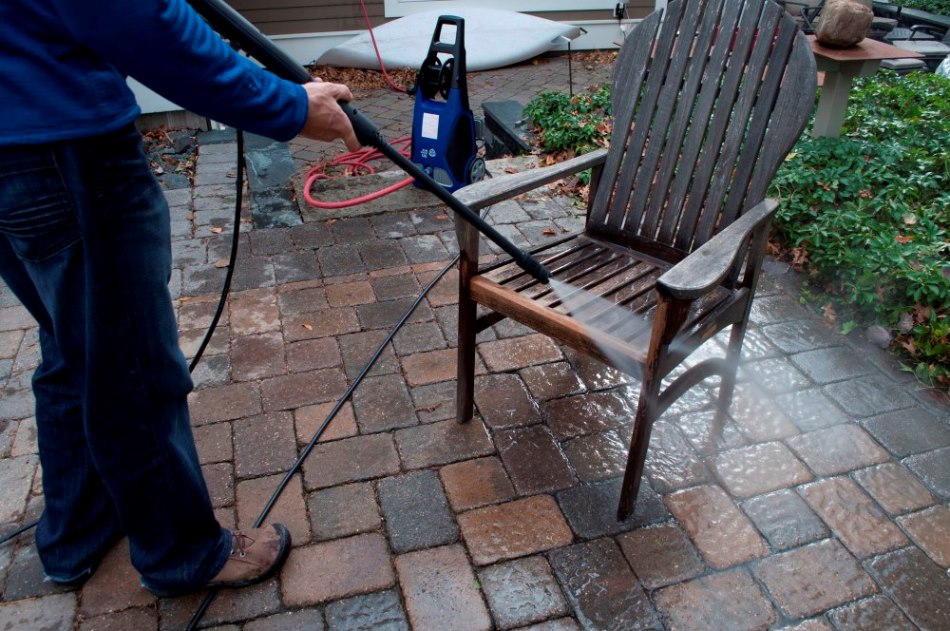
(325, 120)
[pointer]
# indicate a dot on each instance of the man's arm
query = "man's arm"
(168, 47)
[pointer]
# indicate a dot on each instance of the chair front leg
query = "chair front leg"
(467, 325)
(670, 314)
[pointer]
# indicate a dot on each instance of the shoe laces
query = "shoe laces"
(240, 543)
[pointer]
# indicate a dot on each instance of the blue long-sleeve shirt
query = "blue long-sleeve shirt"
(63, 65)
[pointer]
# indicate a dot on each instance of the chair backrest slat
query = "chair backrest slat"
(629, 73)
(636, 137)
(706, 103)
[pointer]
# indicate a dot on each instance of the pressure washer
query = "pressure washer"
(443, 131)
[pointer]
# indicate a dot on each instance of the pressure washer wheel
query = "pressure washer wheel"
(477, 170)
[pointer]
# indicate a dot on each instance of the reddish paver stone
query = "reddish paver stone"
(598, 456)
(305, 326)
(432, 367)
(114, 586)
(336, 569)
(301, 299)
(758, 469)
(16, 480)
(439, 587)
(600, 587)
(313, 354)
(214, 442)
(435, 402)
(534, 460)
(264, 444)
(758, 416)
(700, 430)
(383, 403)
(475, 483)
(344, 510)
(358, 348)
(300, 620)
(503, 401)
(54, 612)
(308, 419)
(254, 311)
(138, 619)
(230, 605)
(853, 517)
(720, 531)
(220, 481)
(224, 403)
(519, 352)
(418, 337)
(548, 381)
(257, 356)
(729, 601)
(350, 460)
(837, 449)
(446, 291)
(661, 555)
(350, 294)
(671, 462)
(808, 580)
(289, 510)
(930, 529)
(292, 391)
(877, 613)
(16, 317)
(521, 592)
(442, 443)
(587, 413)
(918, 585)
(514, 529)
(894, 488)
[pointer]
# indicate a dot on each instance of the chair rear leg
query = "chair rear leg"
(727, 385)
(465, 388)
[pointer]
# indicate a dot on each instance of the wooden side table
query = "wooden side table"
(841, 66)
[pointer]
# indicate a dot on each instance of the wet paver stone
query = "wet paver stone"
(822, 505)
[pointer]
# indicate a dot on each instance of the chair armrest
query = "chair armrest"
(707, 266)
(491, 191)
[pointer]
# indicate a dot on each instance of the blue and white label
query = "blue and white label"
(430, 126)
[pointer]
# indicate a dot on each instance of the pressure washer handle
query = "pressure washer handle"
(368, 134)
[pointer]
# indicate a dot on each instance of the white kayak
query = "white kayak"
(493, 38)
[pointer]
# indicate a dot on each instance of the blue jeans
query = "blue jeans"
(85, 246)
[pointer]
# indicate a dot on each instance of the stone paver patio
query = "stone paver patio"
(824, 507)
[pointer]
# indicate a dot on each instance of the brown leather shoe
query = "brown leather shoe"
(256, 554)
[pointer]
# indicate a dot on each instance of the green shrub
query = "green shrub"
(940, 7)
(573, 124)
(868, 216)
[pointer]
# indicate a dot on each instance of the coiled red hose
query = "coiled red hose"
(354, 163)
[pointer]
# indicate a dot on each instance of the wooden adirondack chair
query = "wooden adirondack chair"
(708, 98)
